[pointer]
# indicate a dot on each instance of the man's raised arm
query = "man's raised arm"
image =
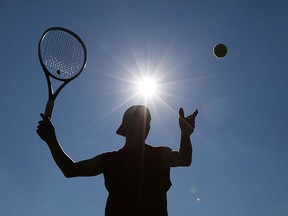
(90, 167)
(183, 157)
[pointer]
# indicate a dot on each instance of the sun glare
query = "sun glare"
(147, 87)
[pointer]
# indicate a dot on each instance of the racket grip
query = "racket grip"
(49, 108)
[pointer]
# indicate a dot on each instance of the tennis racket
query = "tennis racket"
(62, 55)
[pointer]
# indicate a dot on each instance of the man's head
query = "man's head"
(136, 122)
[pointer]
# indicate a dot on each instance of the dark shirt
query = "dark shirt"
(137, 182)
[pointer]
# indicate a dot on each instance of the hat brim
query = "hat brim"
(121, 130)
(130, 113)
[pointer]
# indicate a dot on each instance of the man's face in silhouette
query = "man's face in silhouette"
(138, 125)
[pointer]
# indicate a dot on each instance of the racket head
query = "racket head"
(62, 53)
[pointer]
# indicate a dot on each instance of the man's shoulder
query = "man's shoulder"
(110, 153)
(158, 148)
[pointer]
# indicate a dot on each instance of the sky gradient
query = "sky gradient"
(240, 143)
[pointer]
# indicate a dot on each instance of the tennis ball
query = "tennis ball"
(220, 50)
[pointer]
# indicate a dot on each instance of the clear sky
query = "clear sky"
(241, 140)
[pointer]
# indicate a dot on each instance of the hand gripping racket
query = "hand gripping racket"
(62, 55)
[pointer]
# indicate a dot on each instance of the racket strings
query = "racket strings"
(62, 54)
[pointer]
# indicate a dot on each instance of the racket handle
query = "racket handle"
(49, 108)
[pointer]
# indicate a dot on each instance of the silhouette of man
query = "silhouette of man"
(137, 176)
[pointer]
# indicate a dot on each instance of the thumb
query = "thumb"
(181, 112)
(44, 117)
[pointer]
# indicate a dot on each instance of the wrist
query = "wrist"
(51, 140)
(185, 133)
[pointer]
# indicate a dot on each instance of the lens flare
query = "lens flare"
(147, 87)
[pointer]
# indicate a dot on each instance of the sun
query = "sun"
(147, 87)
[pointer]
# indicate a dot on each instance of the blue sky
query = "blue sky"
(240, 144)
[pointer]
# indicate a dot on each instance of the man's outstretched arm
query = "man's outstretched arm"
(90, 167)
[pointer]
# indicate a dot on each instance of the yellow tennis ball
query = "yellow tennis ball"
(220, 50)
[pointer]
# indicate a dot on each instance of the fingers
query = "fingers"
(44, 123)
(40, 125)
(193, 115)
(191, 118)
(45, 129)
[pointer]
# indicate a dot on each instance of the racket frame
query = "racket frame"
(51, 94)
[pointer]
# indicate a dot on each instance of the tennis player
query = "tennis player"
(137, 176)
